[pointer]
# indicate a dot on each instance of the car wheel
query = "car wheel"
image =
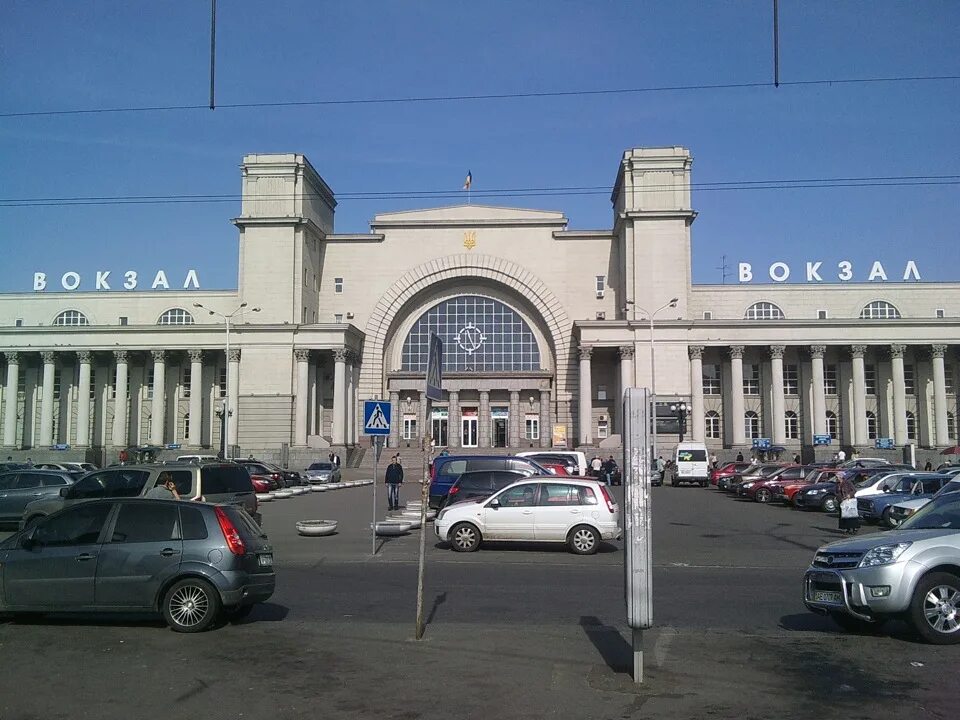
(935, 609)
(583, 540)
(886, 519)
(829, 504)
(191, 605)
(465, 537)
(856, 625)
(762, 496)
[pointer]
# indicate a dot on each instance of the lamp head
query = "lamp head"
(674, 301)
(256, 309)
(197, 305)
(243, 304)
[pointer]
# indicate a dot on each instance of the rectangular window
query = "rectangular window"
(303, 316)
(791, 380)
(708, 315)
(56, 384)
(712, 425)
(19, 322)
(830, 379)
(603, 429)
(123, 319)
(601, 392)
(948, 379)
(532, 431)
(711, 379)
(338, 285)
(338, 318)
(410, 427)
(821, 314)
(870, 378)
(223, 382)
(940, 313)
(751, 379)
(910, 379)
(149, 383)
(601, 283)
(791, 426)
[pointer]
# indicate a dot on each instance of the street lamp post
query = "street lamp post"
(653, 368)
(681, 410)
(228, 412)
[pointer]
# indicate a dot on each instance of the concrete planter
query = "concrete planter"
(282, 493)
(264, 497)
(318, 488)
(316, 528)
(392, 528)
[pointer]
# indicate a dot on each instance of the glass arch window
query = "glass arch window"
(71, 318)
(871, 425)
(751, 424)
(832, 425)
(763, 311)
(879, 310)
(791, 425)
(712, 424)
(175, 316)
(479, 335)
(911, 426)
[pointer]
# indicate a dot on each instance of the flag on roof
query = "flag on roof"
(469, 181)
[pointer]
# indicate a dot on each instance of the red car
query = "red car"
(728, 470)
(784, 492)
(762, 490)
(555, 468)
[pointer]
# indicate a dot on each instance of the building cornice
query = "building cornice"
(583, 235)
(467, 223)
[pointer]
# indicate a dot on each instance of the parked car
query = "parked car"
(861, 582)
(580, 513)
(819, 496)
(480, 484)
(190, 562)
(880, 482)
(785, 492)
(578, 457)
(569, 462)
(197, 458)
(20, 487)
(752, 474)
(725, 472)
(556, 469)
(214, 483)
(255, 468)
(864, 462)
(690, 464)
(448, 468)
(902, 510)
(322, 472)
(760, 489)
(878, 508)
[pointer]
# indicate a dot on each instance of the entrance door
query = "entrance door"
(440, 431)
(469, 431)
(499, 432)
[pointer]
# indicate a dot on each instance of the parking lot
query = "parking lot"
(513, 631)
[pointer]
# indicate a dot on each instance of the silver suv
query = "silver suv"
(211, 482)
(912, 573)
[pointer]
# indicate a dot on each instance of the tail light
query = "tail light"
(454, 490)
(611, 506)
(275, 476)
(230, 532)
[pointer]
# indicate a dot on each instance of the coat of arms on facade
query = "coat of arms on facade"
(470, 239)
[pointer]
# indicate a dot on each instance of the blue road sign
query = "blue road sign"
(822, 440)
(376, 417)
(761, 443)
(884, 444)
(435, 369)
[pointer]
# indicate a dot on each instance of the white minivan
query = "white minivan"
(690, 464)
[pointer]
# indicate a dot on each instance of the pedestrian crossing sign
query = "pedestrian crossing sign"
(435, 369)
(376, 417)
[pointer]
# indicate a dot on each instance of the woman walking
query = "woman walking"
(849, 516)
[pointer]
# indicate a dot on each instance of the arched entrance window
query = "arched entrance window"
(479, 334)
(751, 424)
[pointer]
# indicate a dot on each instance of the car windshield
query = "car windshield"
(951, 487)
(942, 513)
(321, 466)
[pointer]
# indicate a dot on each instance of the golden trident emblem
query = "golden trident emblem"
(470, 240)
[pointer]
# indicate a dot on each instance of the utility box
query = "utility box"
(637, 465)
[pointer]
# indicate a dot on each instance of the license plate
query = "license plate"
(265, 560)
(828, 596)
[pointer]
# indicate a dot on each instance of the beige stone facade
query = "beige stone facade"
(544, 326)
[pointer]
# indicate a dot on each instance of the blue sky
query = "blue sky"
(63, 54)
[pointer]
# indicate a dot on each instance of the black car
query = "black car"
(480, 483)
(264, 470)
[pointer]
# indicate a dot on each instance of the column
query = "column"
(546, 426)
(312, 399)
(484, 419)
(195, 436)
(46, 400)
(338, 436)
(899, 395)
(351, 399)
(424, 423)
(627, 380)
(233, 397)
(158, 405)
(857, 353)
(777, 401)
(13, 400)
(940, 394)
(321, 385)
(697, 413)
(120, 407)
(83, 400)
(302, 403)
(586, 397)
(516, 421)
(454, 426)
(738, 434)
(819, 392)
(396, 419)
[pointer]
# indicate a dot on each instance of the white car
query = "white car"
(580, 513)
(881, 483)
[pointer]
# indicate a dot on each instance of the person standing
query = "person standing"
(796, 459)
(841, 456)
(739, 456)
(714, 463)
(596, 465)
(849, 515)
(394, 478)
(661, 468)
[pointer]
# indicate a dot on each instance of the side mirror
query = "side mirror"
(495, 504)
(63, 491)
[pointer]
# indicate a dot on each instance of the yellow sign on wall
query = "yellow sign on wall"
(470, 239)
(559, 436)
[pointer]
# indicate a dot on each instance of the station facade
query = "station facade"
(543, 327)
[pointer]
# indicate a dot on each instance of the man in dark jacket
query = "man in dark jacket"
(394, 478)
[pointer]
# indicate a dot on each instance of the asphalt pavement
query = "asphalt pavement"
(512, 632)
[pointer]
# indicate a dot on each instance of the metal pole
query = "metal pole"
(424, 500)
(376, 479)
(213, 47)
(776, 43)
(226, 400)
(638, 656)
(653, 395)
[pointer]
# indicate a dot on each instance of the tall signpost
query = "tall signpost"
(376, 424)
(638, 562)
(434, 390)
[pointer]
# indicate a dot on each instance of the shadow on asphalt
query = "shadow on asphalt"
(616, 652)
(264, 612)
(437, 602)
(557, 547)
(812, 622)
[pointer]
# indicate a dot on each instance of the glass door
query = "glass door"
(439, 433)
(499, 432)
(469, 431)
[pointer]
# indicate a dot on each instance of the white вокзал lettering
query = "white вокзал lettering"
(72, 280)
(780, 271)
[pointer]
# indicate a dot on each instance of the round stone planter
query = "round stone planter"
(318, 488)
(392, 528)
(282, 493)
(264, 497)
(300, 490)
(316, 528)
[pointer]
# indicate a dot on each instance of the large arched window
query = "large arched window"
(479, 335)
(763, 311)
(911, 426)
(751, 424)
(175, 316)
(71, 318)
(951, 426)
(879, 310)
(871, 425)
(712, 424)
(791, 425)
(833, 427)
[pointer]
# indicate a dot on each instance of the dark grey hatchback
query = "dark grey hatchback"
(192, 562)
